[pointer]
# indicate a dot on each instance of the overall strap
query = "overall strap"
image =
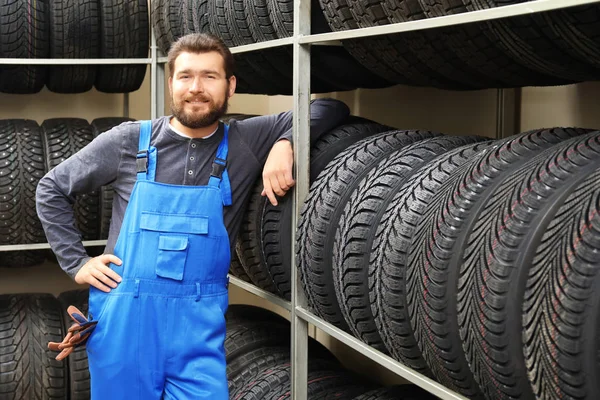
(146, 155)
(219, 176)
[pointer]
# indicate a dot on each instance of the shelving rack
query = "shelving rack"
(301, 42)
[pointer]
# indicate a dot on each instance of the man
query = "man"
(159, 293)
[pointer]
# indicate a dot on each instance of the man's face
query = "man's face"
(199, 89)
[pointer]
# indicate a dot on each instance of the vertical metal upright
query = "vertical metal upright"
(157, 79)
(301, 136)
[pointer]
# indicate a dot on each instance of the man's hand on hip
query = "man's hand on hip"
(96, 273)
(277, 173)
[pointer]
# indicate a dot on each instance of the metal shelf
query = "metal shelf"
(42, 246)
(260, 293)
(73, 61)
(449, 20)
(385, 361)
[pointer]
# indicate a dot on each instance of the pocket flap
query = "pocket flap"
(173, 243)
(194, 224)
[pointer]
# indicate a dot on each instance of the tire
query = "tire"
(281, 14)
(387, 264)
(528, 45)
(21, 39)
(236, 268)
(429, 47)
(245, 368)
(21, 168)
(388, 56)
(482, 53)
(358, 223)
(275, 239)
(249, 249)
(159, 25)
(260, 24)
(77, 362)
(323, 208)
(29, 369)
(244, 337)
(560, 311)
(432, 267)
(401, 392)
(101, 125)
(200, 18)
(124, 33)
(503, 234)
(63, 137)
(73, 34)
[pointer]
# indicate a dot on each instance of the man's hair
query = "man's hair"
(199, 43)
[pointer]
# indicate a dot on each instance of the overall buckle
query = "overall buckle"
(141, 161)
(218, 166)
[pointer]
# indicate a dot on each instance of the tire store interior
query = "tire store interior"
(442, 242)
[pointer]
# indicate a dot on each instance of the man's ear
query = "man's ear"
(171, 86)
(232, 83)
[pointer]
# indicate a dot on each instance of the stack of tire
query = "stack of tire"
(242, 22)
(256, 345)
(73, 29)
(552, 48)
(476, 263)
(28, 152)
(264, 244)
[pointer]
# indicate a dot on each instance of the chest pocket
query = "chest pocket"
(169, 236)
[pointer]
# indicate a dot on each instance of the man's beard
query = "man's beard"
(196, 120)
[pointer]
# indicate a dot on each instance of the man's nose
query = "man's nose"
(196, 86)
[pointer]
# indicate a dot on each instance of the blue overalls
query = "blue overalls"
(161, 332)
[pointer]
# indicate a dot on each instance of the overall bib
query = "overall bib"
(161, 332)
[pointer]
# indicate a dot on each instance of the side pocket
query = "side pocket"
(172, 254)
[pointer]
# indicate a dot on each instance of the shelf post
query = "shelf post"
(508, 107)
(301, 136)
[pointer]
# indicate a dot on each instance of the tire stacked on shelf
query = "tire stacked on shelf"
(22, 165)
(269, 71)
(265, 234)
(552, 48)
(73, 29)
(441, 251)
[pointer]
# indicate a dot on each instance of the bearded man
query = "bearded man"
(158, 294)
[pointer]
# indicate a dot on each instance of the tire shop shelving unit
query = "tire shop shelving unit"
(301, 317)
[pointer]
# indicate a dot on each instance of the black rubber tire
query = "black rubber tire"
(428, 46)
(323, 207)
(387, 264)
(243, 337)
(274, 383)
(245, 368)
(200, 18)
(124, 33)
(63, 137)
(22, 166)
(432, 267)
(275, 239)
(480, 52)
(236, 268)
(74, 33)
(29, 369)
(401, 392)
(22, 38)
(358, 223)
(388, 56)
(174, 28)
(159, 24)
(503, 232)
(528, 45)
(562, 301)
(249, 249)
(260, 24)
(77, 362)
(101, 125)
(281, 14)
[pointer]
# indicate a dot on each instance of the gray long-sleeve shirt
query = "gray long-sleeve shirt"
(111, 159)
